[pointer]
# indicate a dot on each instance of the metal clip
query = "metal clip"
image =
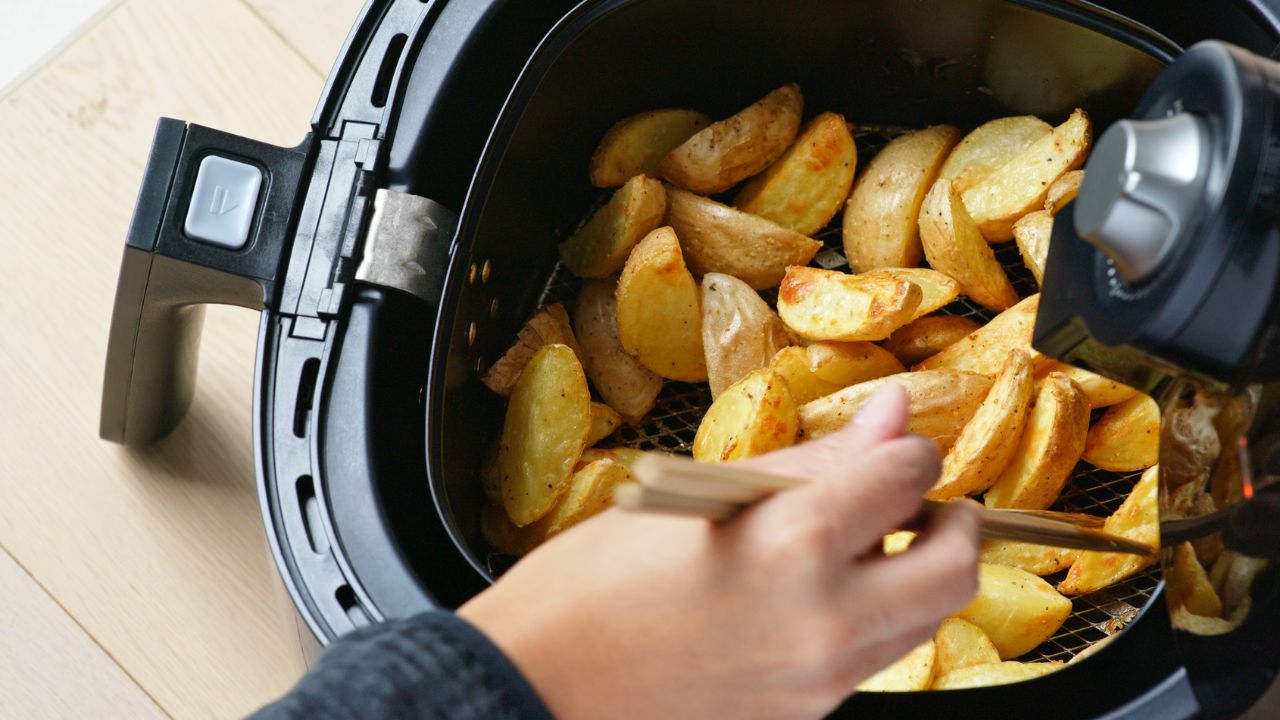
(407, 246)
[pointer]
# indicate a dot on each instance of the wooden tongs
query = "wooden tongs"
(677, 485)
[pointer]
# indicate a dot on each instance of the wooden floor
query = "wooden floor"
(137, 584)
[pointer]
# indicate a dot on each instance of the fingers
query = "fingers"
(865, 662)
(932, 579)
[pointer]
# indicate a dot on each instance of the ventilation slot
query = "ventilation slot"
(317, 538)
(306, 395)
(382, 86)
(346, 597)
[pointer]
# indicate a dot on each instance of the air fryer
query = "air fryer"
(397, 249)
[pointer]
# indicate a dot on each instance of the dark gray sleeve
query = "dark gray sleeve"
(433, 665)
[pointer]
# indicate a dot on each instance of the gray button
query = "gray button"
(223, 202)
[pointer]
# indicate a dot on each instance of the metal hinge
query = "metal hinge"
(407, 244)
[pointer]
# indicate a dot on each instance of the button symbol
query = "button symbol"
(223, 201)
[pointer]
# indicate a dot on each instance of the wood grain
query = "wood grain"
(50, 667)
(315, 28)
(159, 554)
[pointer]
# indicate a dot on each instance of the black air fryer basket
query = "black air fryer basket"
(398, 248)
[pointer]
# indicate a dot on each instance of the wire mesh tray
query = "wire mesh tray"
(673, 422)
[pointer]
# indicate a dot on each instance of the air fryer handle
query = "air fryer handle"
(210, 226)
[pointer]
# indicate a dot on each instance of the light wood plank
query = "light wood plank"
(160, 555)
(50, 667)
(316, 28)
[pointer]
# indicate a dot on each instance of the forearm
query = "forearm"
(430, 665)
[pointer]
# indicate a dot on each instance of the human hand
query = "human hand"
(777, 613)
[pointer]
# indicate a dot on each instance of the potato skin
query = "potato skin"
(953, 244)
(718, 238)
(635, 145)
(623, 382)
(601, 246)
(879, 225)
(658, 317)
(1063, 190)
(547, 326)
(803, 189)
(924, 337)
(1048, 451)
(740, 332)
(1032, 233)
(717, 157)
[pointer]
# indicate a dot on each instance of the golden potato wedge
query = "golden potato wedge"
(547, 326)
(718, 238)
(590, 493)
(1016, 609)
(953, 245)
(879, 225)
(1035, 559)
(909, 673)
(936, 289)
(658, 317)
(984, 351)
(1189, 442)
(624, 456)
(1188, 584)
(635, 145)
(924, 337)
(989, 146)
(1126, 437)
(1048, 450)
(989, 440)
(1137, 518)
(1021, 185)
(803, 189)
(962, 644)
(1032, 232)
(941, 402)
(505, 536)
(1063, 190)
(1002, 673)
(740, 332)
(601, 246)
(829, 305)
(826, 366)
(604, 420)
(1100, 391)
(718, 156)
(547, 423)
(896, 542)
(1201, 625)
(625, 384)
(751, 417)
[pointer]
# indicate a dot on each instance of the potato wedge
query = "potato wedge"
(622, 381)
(1032, 233)
(897, 541)
(490, 475)
(720, 155)
(1098, 390)
(1003, 673)
(590, 493)
(547, 423)
(1016, 609)
(941, 402)
(989, 440)
(1201, 625)
(962, 644)
(1048, 450)
(604, 420)
(824, 367)
(1126, 437)
(803, 189)
(1022, 184)
(937, 290)
(601, 246)
(989, 146)
(953, 245)
(1188, 584)
(924, 337)
(909, 673)
(740, 332)
(1063, 190)
(1036, 559)
(547, 326)
(624, 456)
(1137, 518)
(718, 238)
(879, 225)
(829, 305)
(635, 145)
(1189, 442)
(751, 417)
(505, 536)
(984, 351)
(658, 317)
